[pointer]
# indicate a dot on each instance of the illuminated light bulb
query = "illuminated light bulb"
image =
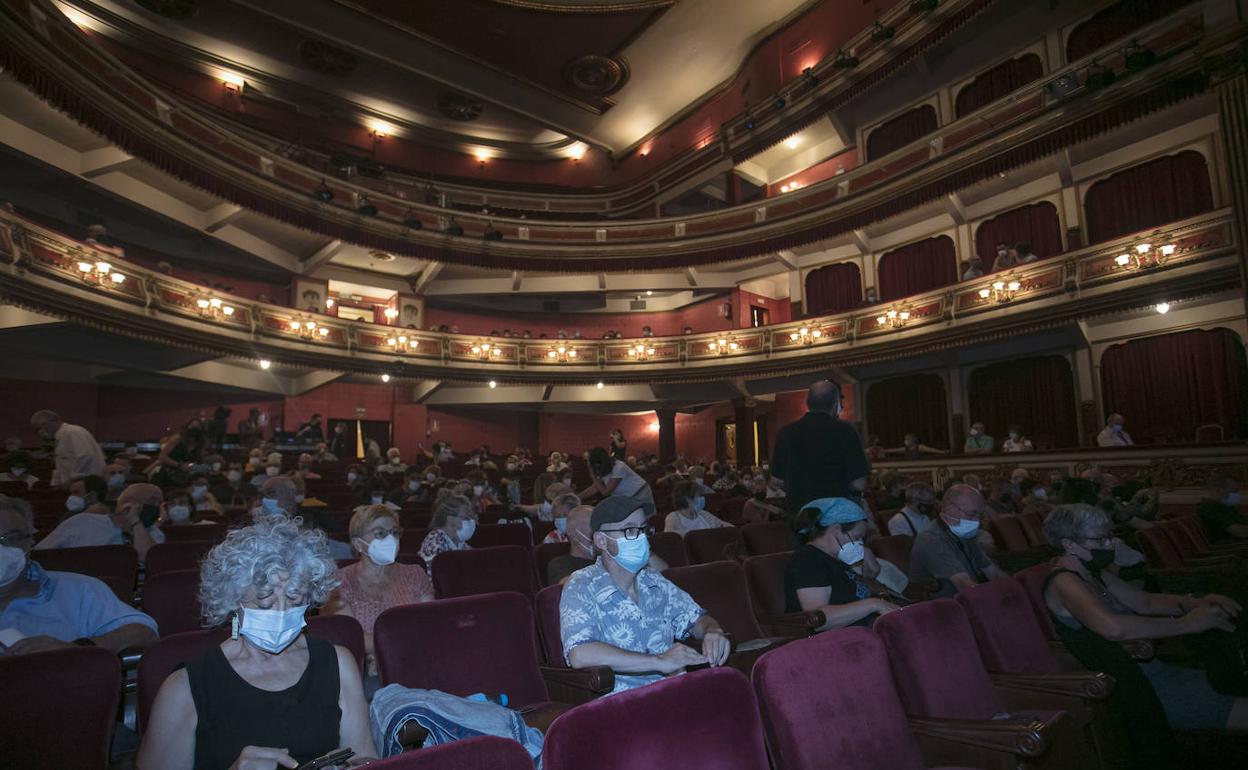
(329, 302)
(793, 336)
(294, 326)
(380, 127)
(227, 310)
(733, 346)
(600, 385)
(496, 352)
(476, 350)
(816, 334)
(551, 354)
(86, 267)
(233, 80)
(486, 347)
(1014, 286)
(998, 285)
(385, 378)
(1163, 307)
(493, 384)
(985, 293)
(214, 302)
(310, 324)
(577, 151)
(202, 303)
(481, 154)
(650, 293)
(103, 267)
(324, 331)
(571, 354)
(118, 278)
(403, 339)
(391, 313)
(391, 341)
(881, 320)
(792, 142)
(892, 314)
(561, 349)
(265, 363)
(784, 188)
(1122, 259)
(905, 315)
(1168, 249)
(1143, 248)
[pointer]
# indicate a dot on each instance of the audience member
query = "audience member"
(77, 452)
(86, 494)
(133, 522)
(912, 449)
(973, 269)
(561, 505)
(821, 574)
(580, 547)
(619, 614)
(99, 239)
(1113, 435)
(618, 445)
(180, 453)
(342, 442)
(1025, 253)
(916, 516)
(948, 552)
(232, 492)
(269, 696)
(978, 442)
(41, 610)
(483, 496)
(610, 477)
(757, 509)
(1001, 497)
(688, 511)
(873, 450)
(892, 494)
(1219, 510)
(1006, 258)
(453, 524)
(251, 429)
(820, 455)
(1017, 442)
(311, 431)
(17, 464)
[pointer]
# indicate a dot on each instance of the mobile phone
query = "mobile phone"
(328, 760)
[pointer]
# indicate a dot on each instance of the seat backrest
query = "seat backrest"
(936, 662)
(484, 643)
(98, 561)
(342, 630)
(767, 537)
(1004, 622)
(546, 607)
(832, 695)
(167, 557)
(1182, 539)
(211, 532)
(541, 529)
(60, 708)
(1007, 533)
(485, 751)
(670, 547)
(1158, 548)
(765, 576)
(484, 570)
(731, 508)
(704, 719)
(708, 545)
(1032, 580)
(1033, 528)
(882, 515)
(490, 535)
(894, 549)
(171, 598)
(413, 538)
(720, 588)
(1195, 530)
(159, 660)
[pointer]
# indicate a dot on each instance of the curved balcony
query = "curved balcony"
(68, 70)
(52, 274)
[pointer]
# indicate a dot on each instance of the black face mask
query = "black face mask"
(148, 515)
(927, 509)
(1101, 558)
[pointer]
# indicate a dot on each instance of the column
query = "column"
(744, 414)
(667, 434)
(1231, 86)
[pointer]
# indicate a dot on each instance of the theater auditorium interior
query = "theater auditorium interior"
(623, 384)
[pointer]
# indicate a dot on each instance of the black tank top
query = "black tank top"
(233, 714)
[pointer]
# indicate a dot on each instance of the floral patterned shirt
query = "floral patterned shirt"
(437, 542)
(594, 609)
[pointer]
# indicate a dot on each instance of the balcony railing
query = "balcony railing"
(44, 271)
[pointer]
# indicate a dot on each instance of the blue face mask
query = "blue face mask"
(699, 503)
(633, 554)
(561, 525)
(965, 528)
(270, 505)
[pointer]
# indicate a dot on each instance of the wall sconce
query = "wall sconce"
(213, 307)
(1001, 291)
(100, 273)
(723, 346)
(485, 350)
(308, 329)
(391, 314)
(894, 318)
(641, 351)
(401, 343)
(806, 335)
(561, 353)
(1144, 257)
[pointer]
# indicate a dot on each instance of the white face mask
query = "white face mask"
(216, 467)
(272, 470)
(17, 471)
(412, 486)
(384, 551)
(477, 489)
(974, 431)
(179, 513)
(965, 528)
(352, 476)
(394, 461)
(75, 503)
(12, 564)
(431, 477)
(272, 630)
(234, 475)
(511, 466)
(467, 529)
(851, 553)
(198, 491)
(377, 499)
(117, 480)
(1039, 493)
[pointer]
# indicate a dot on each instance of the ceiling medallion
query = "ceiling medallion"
(594, 74)
(170, 9)
(458, 106)
(381, 256)
(327, 59)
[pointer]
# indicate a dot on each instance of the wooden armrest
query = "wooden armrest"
(795, 624)
(577, 685)
(540, 715)
(1088, 685)
(1024, 737)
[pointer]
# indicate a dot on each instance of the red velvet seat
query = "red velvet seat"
(546, 609)
(167, 557)
(412, 540)
(491, 535)
(1032, 580)
(214, 533)
(767, 537)
(1007, 532)
(116, 565)
(720, 588)
(60, 708)
(485, 752)
(703, 719)
(1159, 550)
(1006, 629)
(484, 570)
(894, 549)
(765, 577)
(708, 545)
(1033, 528)
(670, 547)
(544, 554)
(830, 701)
(730, 509)
(172, 601)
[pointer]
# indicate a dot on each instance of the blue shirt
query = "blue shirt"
(594, 609)
(69, 607)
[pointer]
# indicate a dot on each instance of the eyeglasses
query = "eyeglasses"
(380, 533)
(15, 538)
(1102, 540)
(631, 533)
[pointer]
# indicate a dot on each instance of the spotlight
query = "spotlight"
(366, 208)
(880, 33)
(323, 193)
(1139, 57)
(265, 364)
(845, 60)
(385, 378)
(493, 384)
(1099, 76)
(491, 234)
(454, 229)
(779, 103)
(923, 6)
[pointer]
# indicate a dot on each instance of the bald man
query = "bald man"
(949, 552)
(580, 547)
(820, 455)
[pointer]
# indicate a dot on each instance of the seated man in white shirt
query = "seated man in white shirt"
(916, 517)
(77, 452)
(133, 522)
(16, 469)
(688, 514)
(1113, 434)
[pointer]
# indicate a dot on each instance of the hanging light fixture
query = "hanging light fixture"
(401, 343)
(308, 329)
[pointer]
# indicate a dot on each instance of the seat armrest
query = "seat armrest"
(1088, 685)
(540, 715)
(794, 624)
(577, 685)
(963, 741)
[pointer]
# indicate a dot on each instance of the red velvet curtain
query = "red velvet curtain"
(1167, 386)
(1116, 22)
(1037, 393)
(1163, 190)
(918, 267)
(1002, 79)
(901, 130)
(833, 289)
(914, 403)
(1036, 224)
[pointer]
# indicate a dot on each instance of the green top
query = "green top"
(979, 442)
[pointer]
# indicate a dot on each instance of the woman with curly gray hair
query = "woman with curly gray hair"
(269, 696)
(1094, 611)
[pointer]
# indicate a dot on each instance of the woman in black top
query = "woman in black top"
(1094, 611)
(269, 696)
(824, 572)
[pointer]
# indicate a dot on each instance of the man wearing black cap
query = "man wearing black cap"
(820, 455)
(616, 613)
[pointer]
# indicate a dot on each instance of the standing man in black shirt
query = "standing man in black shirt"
(820, 455)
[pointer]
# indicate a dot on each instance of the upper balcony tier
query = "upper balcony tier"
(66, 68)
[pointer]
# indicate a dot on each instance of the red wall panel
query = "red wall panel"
(74, 402)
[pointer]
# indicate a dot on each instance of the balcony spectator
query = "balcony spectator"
(16, 469)
(689, 511)
(1006, 258)
(916, 516)
(1025, 253)
(978, 442)
(873, 449)
(99, 239)
(1017, 442)
(912, 449)
(687, 331)
(646, 331)
(872, 297)
(1220, 513)
(972, 269)
(1113, 434)
(619, 444)
(77, 452)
